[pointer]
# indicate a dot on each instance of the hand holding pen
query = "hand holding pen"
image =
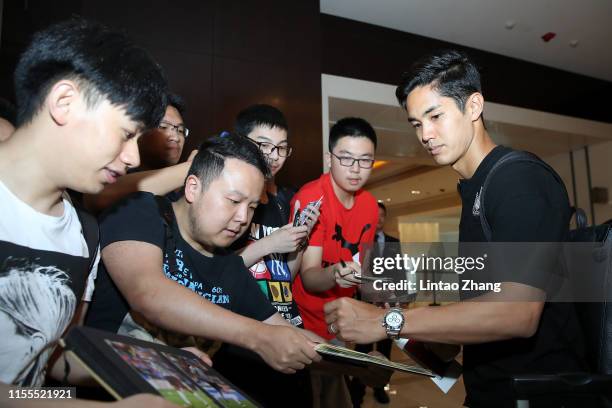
(347, 274)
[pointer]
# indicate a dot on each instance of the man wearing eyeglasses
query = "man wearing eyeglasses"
(270, 249)
(330, 265)
(160, 172)
(162, 147)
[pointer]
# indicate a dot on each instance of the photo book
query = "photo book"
(125, 366)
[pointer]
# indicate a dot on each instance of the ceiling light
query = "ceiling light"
(415, 192)
(379, 163)
(510, 24)
(388, 199)
(548, 36)
(573, 43)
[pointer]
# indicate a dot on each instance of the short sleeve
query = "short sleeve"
(525, 203)
(135, 218)
(251, 300)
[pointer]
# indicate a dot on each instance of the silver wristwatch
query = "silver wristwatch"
(393, 321)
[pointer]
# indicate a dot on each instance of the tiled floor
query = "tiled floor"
(411, 391)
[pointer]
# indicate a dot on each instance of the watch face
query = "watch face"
(394, 319)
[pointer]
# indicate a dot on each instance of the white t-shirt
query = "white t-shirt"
(44, 264)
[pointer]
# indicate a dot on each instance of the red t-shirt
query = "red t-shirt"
(341, 232)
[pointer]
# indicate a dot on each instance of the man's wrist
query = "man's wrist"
(331, 271)
(380, 330)
(249, 336)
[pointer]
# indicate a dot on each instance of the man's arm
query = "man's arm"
(319, 279)
(283, 240)
(136, 269)
(486, 319)
(158, 182)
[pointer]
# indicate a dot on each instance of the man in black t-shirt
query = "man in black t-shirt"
(161, 257)
(524, 202)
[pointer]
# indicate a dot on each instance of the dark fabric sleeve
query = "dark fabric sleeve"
(136, 218)
(527, 207)
(251, 302)
(526, 204)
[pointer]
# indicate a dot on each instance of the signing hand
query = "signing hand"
(346, 274)
(355, 321)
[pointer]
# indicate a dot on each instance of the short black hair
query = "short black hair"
(8, 111)
(209, 162)
(178, 103)
(381, 205)
(104, 63)
(353, 127)
(259, 115)
(451, 73)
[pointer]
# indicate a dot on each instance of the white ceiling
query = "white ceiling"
(481, 24)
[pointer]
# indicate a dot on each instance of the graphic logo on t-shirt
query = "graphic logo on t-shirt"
(182, 275)
(476, 207)
(287, 292)
(260, 270)
(278, 267)
(36, 306)
(353, 247)
(272, 266)
(275, 290)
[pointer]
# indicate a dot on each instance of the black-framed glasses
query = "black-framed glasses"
(180, 129)
(348, 161)
(268, 148)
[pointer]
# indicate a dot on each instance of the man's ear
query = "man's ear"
(328, 160)
(62, 100)
(475, 105)
(193, 187)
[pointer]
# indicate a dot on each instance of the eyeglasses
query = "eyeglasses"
(348, 161)
(268, 148)
(180, 129)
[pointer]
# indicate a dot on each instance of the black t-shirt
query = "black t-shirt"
(222, 280)
(272, 272)
(524, 203)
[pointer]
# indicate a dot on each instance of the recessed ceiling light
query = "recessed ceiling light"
(388, 199)
(415, 192)
(548, 36)
(379, 163)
